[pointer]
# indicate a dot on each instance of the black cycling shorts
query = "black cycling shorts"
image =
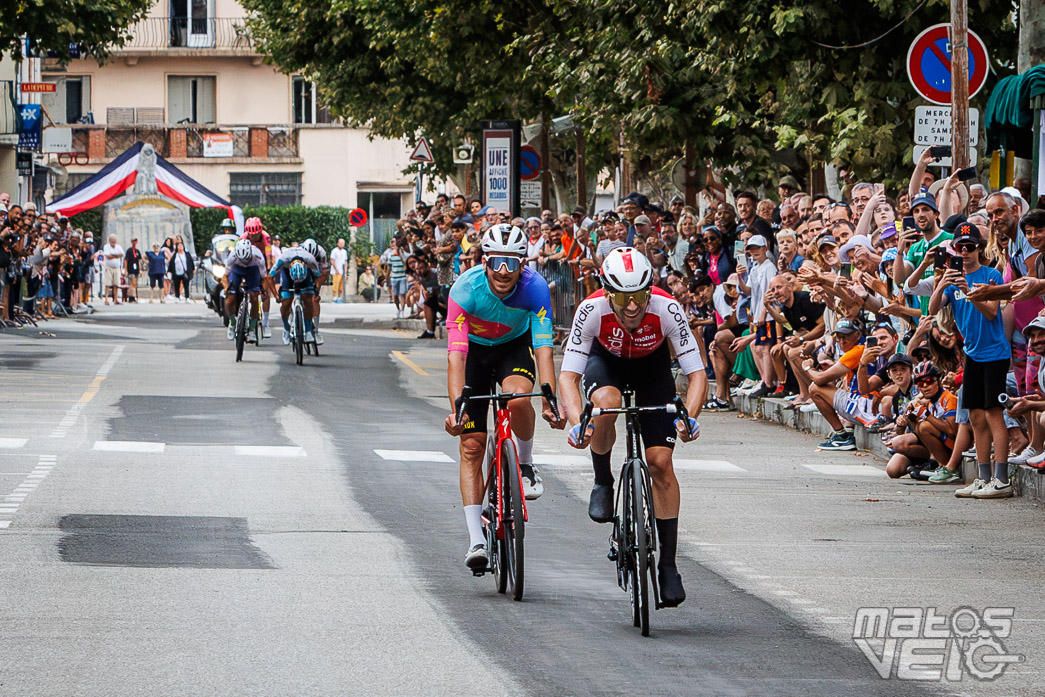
(651, 380)
(487, 366)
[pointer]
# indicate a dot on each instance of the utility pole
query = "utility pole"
(959, 85)
(546, 162)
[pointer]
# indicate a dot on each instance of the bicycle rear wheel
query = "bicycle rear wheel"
(514, 519)
(299, 335)
(495, 542)
(640, 536)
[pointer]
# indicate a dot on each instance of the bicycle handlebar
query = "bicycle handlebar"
(676, 407)
(462, 402)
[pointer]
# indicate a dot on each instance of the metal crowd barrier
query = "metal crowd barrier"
(567, 291)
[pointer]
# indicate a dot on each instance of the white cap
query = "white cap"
(756, 241)
(1015, 193)
(861, 240)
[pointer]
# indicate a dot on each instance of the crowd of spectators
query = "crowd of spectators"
(46, 265)
(914, 313)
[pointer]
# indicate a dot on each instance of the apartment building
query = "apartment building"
(192, 83)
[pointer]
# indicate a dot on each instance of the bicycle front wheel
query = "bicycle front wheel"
(514, 519)
(639, 516)
(241, 329)
(299, 335)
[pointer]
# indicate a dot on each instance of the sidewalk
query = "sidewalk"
(372, 315)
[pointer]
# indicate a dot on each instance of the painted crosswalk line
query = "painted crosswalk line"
(12, 443)
(129, 446)
(415, 455)
(847, 470)
(681, 464)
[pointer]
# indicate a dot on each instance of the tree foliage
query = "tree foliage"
(62, 26)
(756, 86)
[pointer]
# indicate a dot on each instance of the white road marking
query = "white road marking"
(706, 465)
(415, 455)
(847, 470)
(270, 451)
(683, 464)
(43, 468)
(62, 429)
(129, 446)
(12, 443)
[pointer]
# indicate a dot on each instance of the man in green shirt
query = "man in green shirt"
(914, 245)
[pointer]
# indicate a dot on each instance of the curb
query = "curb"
(1027, 481)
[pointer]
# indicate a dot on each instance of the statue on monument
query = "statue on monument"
(145, 183)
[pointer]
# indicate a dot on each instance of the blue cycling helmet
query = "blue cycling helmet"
(298, 272)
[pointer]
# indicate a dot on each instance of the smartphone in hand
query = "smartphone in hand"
(956, 264)
(966, 174)
(940, 151)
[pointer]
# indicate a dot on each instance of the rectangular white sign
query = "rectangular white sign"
(217, 145)
(530, 193)
(944, 161)
(497, 172)
(57, 139)
(932, 125)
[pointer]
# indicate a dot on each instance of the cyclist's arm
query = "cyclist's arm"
(276, 267)
(586, 324)
(687, 352)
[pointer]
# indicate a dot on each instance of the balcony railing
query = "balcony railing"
(179, 142)
(154, 33)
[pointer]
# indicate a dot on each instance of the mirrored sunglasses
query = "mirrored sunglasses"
(622, 298)
(497, 262)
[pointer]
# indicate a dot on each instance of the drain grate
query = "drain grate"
(201, 542)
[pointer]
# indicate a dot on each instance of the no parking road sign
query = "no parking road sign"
(357, 217)
(929, 64)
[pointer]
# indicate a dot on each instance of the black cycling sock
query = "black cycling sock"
(668, 533)
(601, 465)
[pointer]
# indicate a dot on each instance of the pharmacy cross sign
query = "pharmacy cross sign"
(929, 64)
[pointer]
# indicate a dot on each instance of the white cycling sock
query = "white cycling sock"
(265, 319)
(525, 448)
(473, 517)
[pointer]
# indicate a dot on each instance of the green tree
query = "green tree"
(94, 26)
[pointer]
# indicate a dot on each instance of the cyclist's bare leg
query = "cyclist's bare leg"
(473, 448)
(232, 304)
(605, 430)
(254, 306)
(284, 312)
(665, 485)
(265, 307)
(523, 416)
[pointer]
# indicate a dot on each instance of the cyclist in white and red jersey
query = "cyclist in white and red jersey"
(253, 231)
(619, 341)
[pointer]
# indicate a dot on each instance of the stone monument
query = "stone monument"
(146, 214)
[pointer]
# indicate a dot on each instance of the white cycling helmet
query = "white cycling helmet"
(310, 246)
(504, 239)
(243, 250)
(625, 269)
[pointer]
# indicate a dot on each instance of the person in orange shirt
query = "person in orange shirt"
(930, 420)
(834, 402)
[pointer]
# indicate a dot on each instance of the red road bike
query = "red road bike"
(504, 516)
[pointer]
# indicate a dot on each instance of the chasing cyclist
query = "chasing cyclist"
(316, 250)
(617, 343)
(499, 324)
(297, 271)
(254, 231)
(246, 267)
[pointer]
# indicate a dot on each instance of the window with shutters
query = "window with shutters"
(191, 99)
(265, 188)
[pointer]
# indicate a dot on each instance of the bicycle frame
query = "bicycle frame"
(503, 433)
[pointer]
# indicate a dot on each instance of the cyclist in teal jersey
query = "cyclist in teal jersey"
(499, 324)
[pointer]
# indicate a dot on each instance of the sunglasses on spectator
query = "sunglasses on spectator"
(926, 381)
(622, 299)
(968, 248)
(497, 262)
(836, 204)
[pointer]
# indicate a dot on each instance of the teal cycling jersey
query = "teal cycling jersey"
(475, 314)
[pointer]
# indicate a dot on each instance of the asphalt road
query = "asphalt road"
(180, 524)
